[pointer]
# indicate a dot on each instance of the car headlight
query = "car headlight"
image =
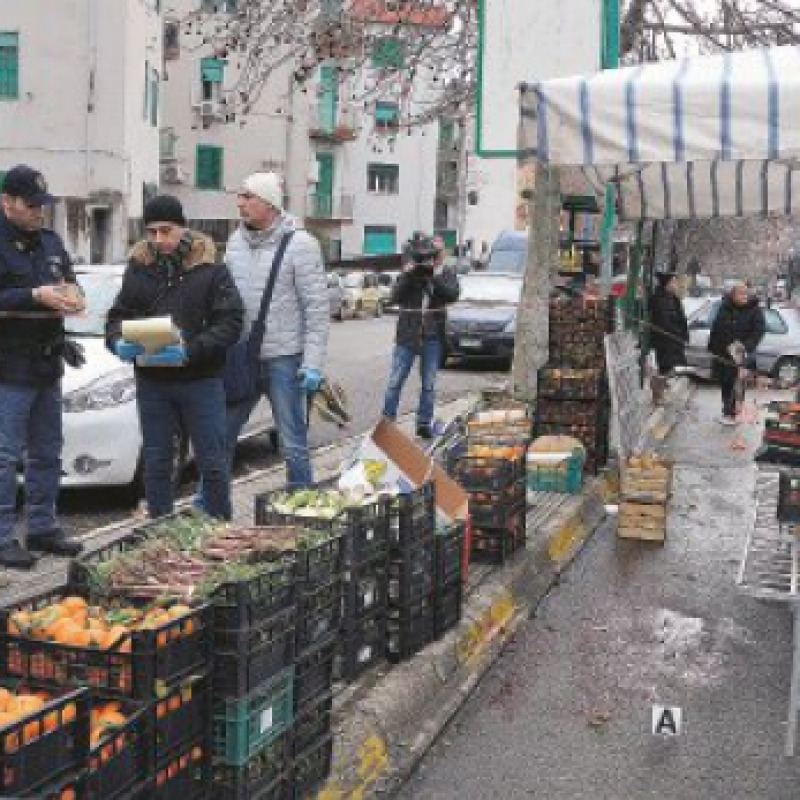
(114, 389)
(511, 326)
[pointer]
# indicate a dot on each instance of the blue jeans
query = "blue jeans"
(402, 361)
(198, 408)
(30, 430)
(278, 381)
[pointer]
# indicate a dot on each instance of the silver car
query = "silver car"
(778, 355)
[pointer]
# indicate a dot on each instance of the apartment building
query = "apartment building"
(208, 148)
(79, 99)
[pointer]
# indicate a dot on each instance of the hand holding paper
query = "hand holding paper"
(127, 351)
(173, 355)
(153, 333)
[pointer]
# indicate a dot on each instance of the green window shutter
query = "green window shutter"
(380, 240)
(212, 70)
(209, 167)
(388, 53)
(154, 99)
(387, 114)
(9, 66)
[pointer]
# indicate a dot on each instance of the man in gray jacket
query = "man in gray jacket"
(298, 321)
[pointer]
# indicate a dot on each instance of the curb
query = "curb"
(384, 731)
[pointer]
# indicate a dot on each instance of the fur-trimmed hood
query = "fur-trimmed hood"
(202, 251)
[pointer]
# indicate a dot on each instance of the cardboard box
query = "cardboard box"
(407, 461)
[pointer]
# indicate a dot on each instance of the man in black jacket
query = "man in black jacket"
(37, 290)
(175, 273)
(422, 292)
(670, 330)
(735, 334)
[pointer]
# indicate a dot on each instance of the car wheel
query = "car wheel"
(787, 371)
(339, 315)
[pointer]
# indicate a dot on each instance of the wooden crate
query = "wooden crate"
(642, 521)
(647, 485)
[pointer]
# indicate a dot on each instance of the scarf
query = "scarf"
(173, 261)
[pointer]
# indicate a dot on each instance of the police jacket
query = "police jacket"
(31, 336)
(199, 295)
(422, 300)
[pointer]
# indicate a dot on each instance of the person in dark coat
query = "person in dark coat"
(175, 273)
(735, 334)
(670, 330)
(422, 292)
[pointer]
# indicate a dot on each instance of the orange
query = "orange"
(61, 630)
(31, 731)
(73, 603)
(67, 794)
(29, 704)
(178, 611)
(68, 713)
(80, 637)
(5, 698)
(51, 722)
(112, 719)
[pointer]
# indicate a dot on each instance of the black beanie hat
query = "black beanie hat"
(164, 208)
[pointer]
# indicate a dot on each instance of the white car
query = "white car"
(102, 441)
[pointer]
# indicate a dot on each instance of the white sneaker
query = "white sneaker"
(726, 420)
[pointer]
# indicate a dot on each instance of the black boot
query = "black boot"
(424, 432)
(14, 556)
(54, 542)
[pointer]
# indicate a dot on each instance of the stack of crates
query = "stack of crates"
(412, 573)
(449, 593)
(158, 680)
(572, 392)
(497, 505)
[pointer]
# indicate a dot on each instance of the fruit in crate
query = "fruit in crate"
(509, 452)
(105, 739)
(15, 706)
(72, 621)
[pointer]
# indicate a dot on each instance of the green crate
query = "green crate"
(242, 728)
(557, 478)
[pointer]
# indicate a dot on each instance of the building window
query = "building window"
(219, 6)
(155, 87)
(209, 167)
(388, 53)
(9, 66)
(212, 75)
(172, 40)
(383, 178)
(380, 240)
(387, 116)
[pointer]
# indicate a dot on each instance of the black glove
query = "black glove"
(72, 352)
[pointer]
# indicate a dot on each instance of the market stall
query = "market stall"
(696, 138)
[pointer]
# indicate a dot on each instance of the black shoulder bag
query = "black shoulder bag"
(241, 363)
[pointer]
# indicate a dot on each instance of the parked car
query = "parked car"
(102, 441)
(386, 282)
(483, 322)
(509, 253)
(361, 292)
(338, 298)
(778, 354)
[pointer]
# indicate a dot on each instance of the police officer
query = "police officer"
(37, 290)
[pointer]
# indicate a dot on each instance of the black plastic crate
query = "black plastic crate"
(479, 473)
(409, 630)
(449, 554)
(122, 758)
(313, 673)
(184, 774)
(411, 580)
(246, 658)
(495, 546)
(571, 383)
(43, 746)
(182, 713)
(319, 611)
(364, 591)
(361, 647)
(447, 608)
(255, 777)
(137, 668)
(498, 515)
(313, 723)
(412, 515)
(418, 558)
(241, 787)
(311, 768)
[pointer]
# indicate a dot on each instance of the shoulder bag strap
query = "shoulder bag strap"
(259, 325)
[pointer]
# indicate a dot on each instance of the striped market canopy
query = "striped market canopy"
(705, 137)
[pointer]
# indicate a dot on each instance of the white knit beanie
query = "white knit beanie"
(266, 185)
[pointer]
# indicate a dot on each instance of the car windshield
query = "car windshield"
(353, 281)
(480, 289)
(385, 280)
(512, 261)
(100, 291)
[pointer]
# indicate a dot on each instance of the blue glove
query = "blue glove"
(127, 351)
(173, 355)
(310, 379)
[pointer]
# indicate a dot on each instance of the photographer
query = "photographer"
(422, 292)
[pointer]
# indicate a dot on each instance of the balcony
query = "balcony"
(167, 152)
(329, 207)
(341, 126)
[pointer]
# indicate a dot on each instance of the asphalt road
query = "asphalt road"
(359, 357)
(566, 713)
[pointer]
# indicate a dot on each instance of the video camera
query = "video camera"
(423, 254)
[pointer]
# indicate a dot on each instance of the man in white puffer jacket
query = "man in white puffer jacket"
(298, 320)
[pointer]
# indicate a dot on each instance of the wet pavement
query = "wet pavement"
(566, 714)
